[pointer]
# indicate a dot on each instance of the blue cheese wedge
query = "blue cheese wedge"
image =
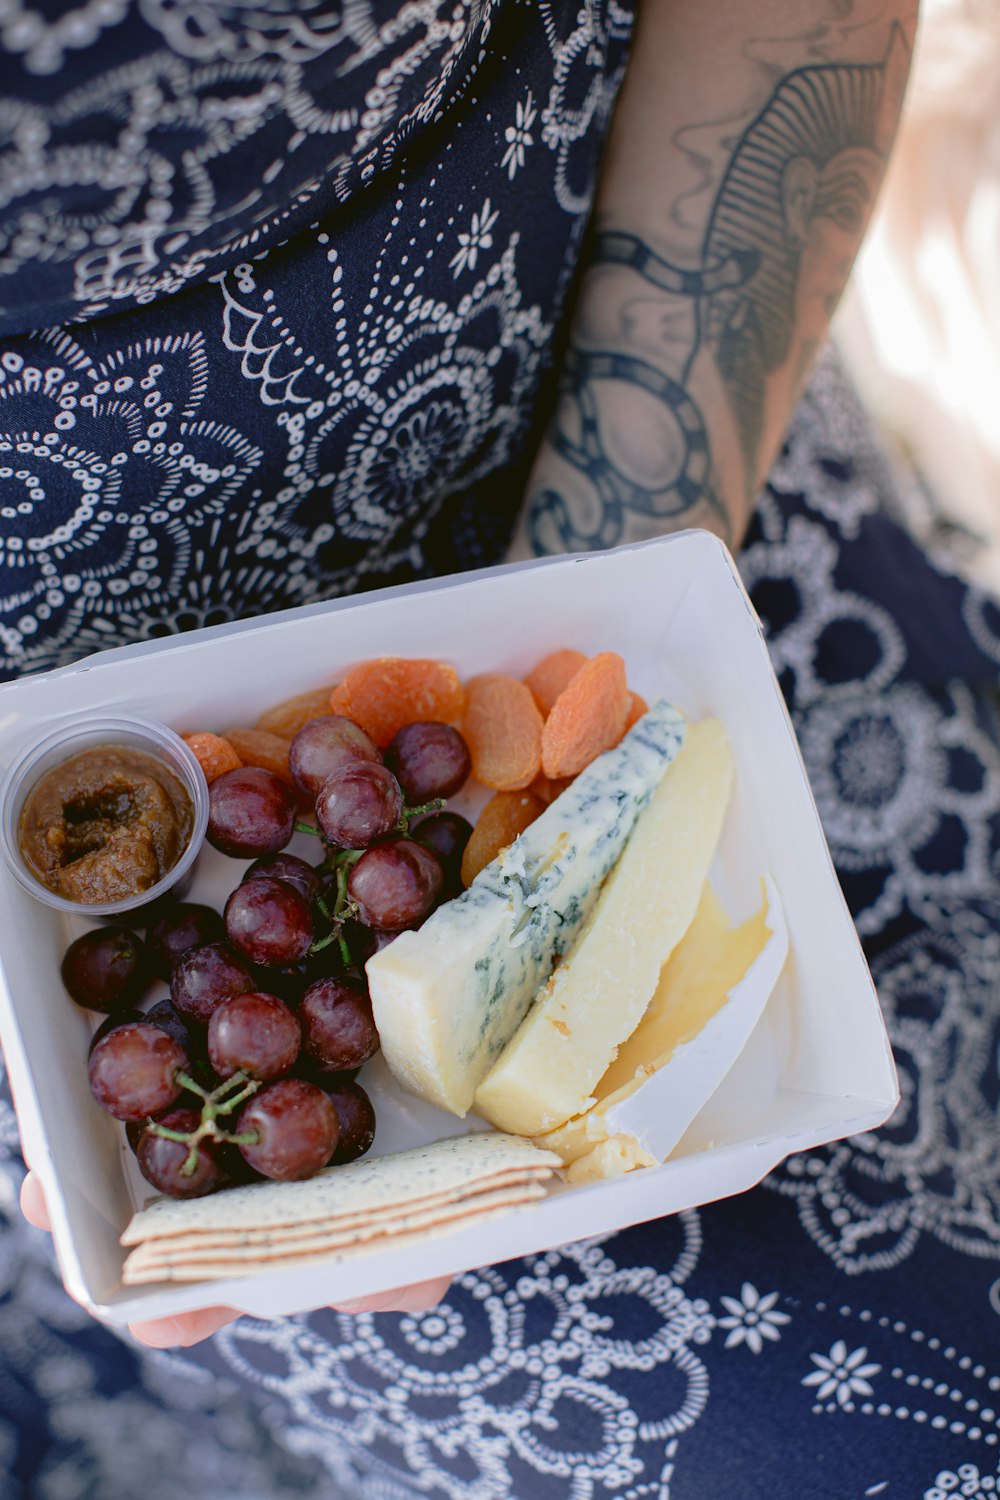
(449, 997)
(595, 999)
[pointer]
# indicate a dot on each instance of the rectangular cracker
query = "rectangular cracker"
(444, 1167)
(320, 1228)
(191, 1252)
(229, 1270)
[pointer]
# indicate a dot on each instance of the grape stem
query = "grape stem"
(215, 1102)
(301, 827)
(343, 907)
(434, 805)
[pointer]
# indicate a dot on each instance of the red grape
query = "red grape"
(250, 812)
(297, 872)
(133, 1070)
(290, 981)
(338, 1031)
(296, 1128)
(110, 1022)
(185, 926)
(269, 922)
(324, 744)
(106, 969)
(235, 1164)
(356, 1119)
(364, 941)
(395, 884)
(205, 977)
(359, 803)
(162, 1161)
(446, 835)
(136, 1129)
(191, 1037)
(255, 1034)
(429, 760)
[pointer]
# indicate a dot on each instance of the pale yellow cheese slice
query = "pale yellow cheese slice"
(710, 995)
(596, 997)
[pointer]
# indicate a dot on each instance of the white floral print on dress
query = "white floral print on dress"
(841, 1374)
(518, 136)
(479, 237)
(752, 1318)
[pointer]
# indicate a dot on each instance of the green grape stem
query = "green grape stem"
(434, 805)
(343, 908)
(221, 1100)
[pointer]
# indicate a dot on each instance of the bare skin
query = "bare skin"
(746, 153)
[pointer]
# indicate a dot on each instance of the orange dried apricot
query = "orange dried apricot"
(547, 789)
(214, 754)
(501, 820)
(553, 673)
(256, 747)
(588, 717)
(503, 729)
(637, 707)
(385, 695)
(288, 717)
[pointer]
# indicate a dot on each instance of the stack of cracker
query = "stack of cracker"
(341, 1213)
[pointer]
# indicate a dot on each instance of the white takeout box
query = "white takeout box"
(818, 1066)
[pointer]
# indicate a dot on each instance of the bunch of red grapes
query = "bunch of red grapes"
(248, 1069)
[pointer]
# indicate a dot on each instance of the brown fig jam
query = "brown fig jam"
(106, 824)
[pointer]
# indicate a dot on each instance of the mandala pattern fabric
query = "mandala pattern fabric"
(832, 1332)
(176, 138)
(253, 425)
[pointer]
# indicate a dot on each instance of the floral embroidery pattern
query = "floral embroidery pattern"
(752, 1318)
(477, 238)
(842, 1375)
(518, 136)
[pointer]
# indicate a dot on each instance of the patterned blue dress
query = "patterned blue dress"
(271, 347)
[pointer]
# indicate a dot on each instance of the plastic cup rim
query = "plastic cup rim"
(156, 733)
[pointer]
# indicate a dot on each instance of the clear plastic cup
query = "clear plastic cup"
(119, 730)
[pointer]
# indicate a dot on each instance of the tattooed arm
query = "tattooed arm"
(747, 149)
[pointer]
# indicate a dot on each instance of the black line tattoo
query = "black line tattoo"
(780, 239)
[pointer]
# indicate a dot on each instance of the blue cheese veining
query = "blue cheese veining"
(449, 997)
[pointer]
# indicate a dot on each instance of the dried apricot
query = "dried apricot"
(547, 789)
(385, 695)
(256, 747)
(501, 820)
(287, 718)
(588, 717)
(214, 754)
(553, 673)
(637, 707)
(503, 729)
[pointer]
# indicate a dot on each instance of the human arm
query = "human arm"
(746, 152)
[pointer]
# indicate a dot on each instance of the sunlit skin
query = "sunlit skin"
(825, 213)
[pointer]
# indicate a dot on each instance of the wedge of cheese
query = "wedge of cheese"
(447, 999)
(596, 997)
(710, 997)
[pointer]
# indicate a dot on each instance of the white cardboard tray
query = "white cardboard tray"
(818, 1066)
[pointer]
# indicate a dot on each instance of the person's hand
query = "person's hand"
(191, 1328)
